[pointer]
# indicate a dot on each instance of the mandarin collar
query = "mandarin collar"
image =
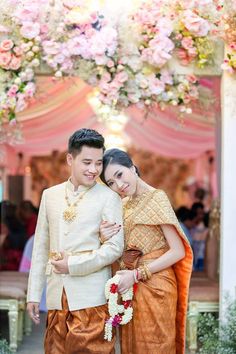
(80, 188)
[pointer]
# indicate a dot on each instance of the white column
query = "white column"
(228, 188)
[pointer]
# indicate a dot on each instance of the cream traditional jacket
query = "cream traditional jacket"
(89, 261)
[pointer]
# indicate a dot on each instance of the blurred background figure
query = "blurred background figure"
(25, 267)
(13, 237)
(28, 215)
(199, 235)
(187, 220)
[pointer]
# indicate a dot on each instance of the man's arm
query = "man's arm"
(109, 252)
(39, 256)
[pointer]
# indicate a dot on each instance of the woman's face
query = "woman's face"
(121, 179)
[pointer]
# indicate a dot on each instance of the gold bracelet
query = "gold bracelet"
(143, 273)
(147, 271)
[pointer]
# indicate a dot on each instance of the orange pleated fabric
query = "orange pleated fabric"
(77, 332)
(152, 329)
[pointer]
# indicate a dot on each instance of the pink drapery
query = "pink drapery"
(61, 108)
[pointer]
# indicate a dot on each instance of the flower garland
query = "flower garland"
(119, 314)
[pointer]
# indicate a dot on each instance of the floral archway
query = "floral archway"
(129, 54)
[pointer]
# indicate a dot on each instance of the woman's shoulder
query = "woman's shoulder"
(159, 196)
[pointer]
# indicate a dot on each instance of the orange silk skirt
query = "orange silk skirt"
(77, 332)
(153, 327)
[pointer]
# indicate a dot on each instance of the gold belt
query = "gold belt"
(56, 256)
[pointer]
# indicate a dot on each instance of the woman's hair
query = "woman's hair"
(116, 157)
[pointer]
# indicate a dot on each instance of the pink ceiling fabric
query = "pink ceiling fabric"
(61, 107)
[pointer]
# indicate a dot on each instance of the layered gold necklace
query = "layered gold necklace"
(70, 213)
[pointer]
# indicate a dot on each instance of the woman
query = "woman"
(14, 239)
(157, 254)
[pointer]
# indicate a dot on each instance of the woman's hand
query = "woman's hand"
(107, 230)
(126, 280)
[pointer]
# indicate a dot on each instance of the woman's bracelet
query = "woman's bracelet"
(145, 272)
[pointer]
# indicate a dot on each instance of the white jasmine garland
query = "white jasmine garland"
(120, 314)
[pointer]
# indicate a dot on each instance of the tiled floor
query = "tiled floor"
(33, 344)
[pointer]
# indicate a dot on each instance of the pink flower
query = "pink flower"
(164, 25)
(44, 28)
(192, 79)
(195, 24)
(18, 51)
(192, 52)
(67, 65)
(5, 58)
(121, 77)
(182, 54)
(15, 63)
(30, 30)
(155, 85)
(187, 42)
(29, 11)
(71, 3)
(6, 45)
(29, 89)
(166, 77)
(110, 63)
(12, 91)
(4, 29)
(21, 103)
(51, 47)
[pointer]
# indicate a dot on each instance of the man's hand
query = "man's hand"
(33, 311)
(61, 266)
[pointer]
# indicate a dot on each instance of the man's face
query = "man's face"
(86, 166)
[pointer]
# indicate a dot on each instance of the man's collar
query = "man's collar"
(80, 188)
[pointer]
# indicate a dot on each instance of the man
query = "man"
(67, 248)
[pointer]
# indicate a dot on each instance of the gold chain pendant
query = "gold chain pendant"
(69, 214)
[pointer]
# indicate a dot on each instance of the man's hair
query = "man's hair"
(183, 213)
(88, 137)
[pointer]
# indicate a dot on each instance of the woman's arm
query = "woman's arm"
(173, 255)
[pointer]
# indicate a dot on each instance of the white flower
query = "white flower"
(17, 81)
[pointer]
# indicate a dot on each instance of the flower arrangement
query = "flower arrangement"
(230, 38)
(195, 29)
(19, 56)
(119, 314)
(126, 60)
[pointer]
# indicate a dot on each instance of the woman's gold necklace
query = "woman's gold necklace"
(70, 213)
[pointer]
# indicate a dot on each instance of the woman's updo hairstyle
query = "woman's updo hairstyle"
(116, 157)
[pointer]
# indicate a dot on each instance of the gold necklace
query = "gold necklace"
(70, 213)
(132, 202)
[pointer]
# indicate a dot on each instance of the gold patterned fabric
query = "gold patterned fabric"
(77, 332)
(160, 304)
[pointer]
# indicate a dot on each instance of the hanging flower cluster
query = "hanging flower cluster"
(230, 38)
(119, 314)
(20, 52)
(80, 35)
(128, 61)
(195, 31)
